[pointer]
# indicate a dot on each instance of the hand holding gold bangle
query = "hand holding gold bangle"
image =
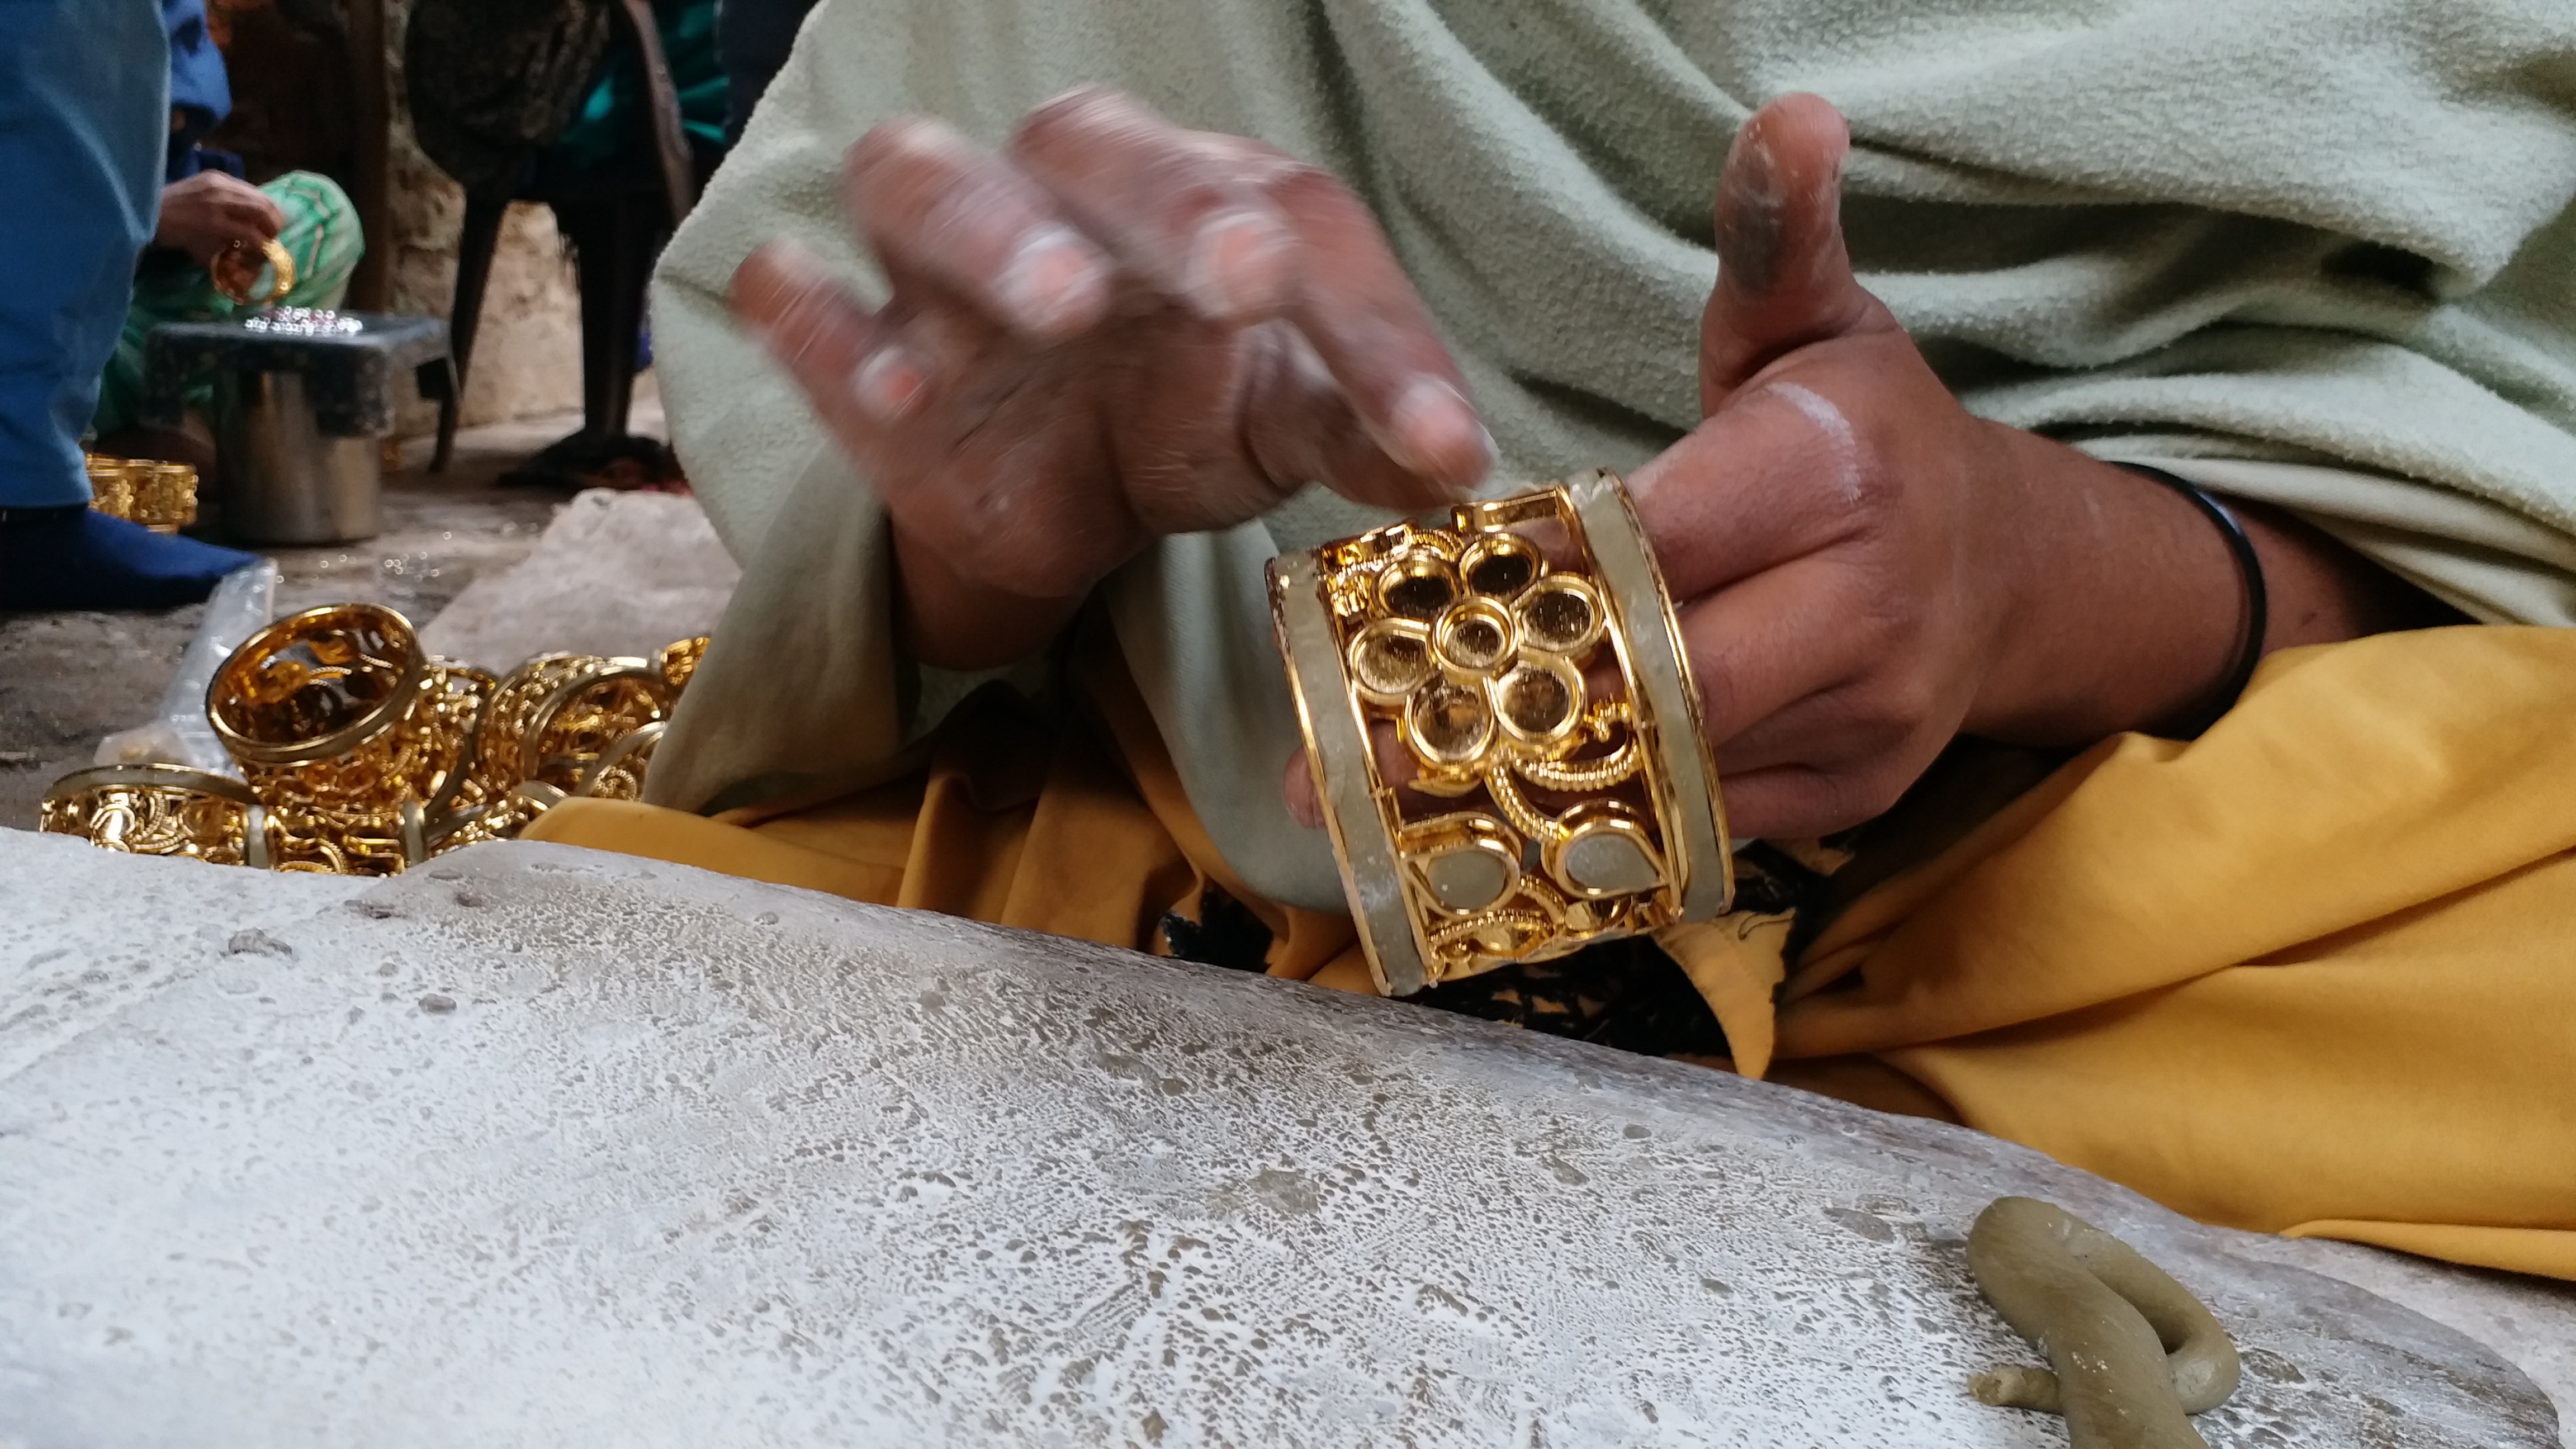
(1564, 792)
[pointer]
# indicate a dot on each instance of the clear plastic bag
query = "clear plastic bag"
(179, 733)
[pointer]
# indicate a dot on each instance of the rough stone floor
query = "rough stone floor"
(67, 679)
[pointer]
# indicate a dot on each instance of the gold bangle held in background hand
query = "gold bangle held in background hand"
(281, 265)
(1552, 702)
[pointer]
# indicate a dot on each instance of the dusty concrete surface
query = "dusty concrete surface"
(537, 1145)
(67, 679)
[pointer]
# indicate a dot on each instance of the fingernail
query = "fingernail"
(889, 384)
(1437, 434)
(1053, 283)
(1238, 265)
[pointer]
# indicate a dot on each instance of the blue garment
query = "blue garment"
(84, 110)
(201, 92)
(79, 558)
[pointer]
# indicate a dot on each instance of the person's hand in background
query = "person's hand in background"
(219, 221)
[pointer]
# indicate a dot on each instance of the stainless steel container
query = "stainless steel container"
(303, 401)
(284, 479)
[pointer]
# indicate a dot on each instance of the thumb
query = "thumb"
(1784, 279)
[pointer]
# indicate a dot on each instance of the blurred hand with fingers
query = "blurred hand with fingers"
(1112, 330)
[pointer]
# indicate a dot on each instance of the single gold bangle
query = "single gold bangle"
(334, 715)
(281, 265)
(161, 810)
(1503, 672)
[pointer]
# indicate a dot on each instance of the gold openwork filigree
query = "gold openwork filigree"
(160, 496)
(1554, 788)
(160, 810)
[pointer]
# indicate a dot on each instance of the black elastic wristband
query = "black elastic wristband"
(2258, 601)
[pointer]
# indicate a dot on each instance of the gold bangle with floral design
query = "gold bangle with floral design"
(1526, 658)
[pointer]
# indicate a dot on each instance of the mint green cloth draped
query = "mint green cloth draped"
(2318, 252)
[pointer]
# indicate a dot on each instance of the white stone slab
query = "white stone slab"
(538, 1146)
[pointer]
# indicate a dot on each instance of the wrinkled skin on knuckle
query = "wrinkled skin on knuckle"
(1073, 116)
(1866, 794)
(1901, 720)
(1881, 497)
(1822, 799)
(1897, 706)
(1182, 446)
(1037, 538)
(1207, 489)
(1044, 469)
(1882, 608)
(1910, 687)
(1300, 188)
(1019, 503)
(1195, 491)
(1183, 462)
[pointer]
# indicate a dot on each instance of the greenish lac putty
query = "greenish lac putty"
(2131, 1353)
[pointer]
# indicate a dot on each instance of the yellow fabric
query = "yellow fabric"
(1074, 828)
(1011, 822)
(2314, 973)
(1736, 964)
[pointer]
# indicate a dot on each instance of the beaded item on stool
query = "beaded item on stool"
(1562, 792)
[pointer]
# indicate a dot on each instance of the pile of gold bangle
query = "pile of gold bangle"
(361, 754)
(160, 496)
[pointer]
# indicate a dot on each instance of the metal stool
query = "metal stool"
(299, 417)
